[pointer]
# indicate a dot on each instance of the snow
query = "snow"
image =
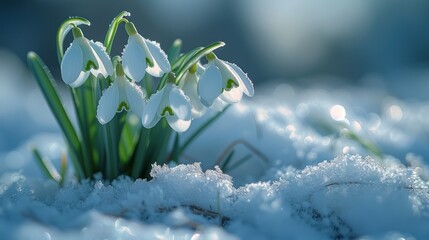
(347, 197)
(306, 179)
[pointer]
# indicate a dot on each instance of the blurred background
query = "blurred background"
(282, 39)
(300, 42)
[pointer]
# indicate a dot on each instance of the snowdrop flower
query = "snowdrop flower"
(122, 94)
(82, 58)
(141, 55)
(223, 80)
(169, 102)
(189, 84)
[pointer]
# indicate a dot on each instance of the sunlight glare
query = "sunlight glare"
(338, 112)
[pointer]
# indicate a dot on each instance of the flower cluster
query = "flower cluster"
(180, 98)
(164, 93)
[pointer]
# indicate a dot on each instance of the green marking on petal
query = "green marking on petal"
(123, 105)
(109, 81)
(167, 110)
(90, 64)
(149, 62)
(171, 78)
(231, 84)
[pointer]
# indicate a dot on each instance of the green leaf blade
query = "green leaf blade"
(48, 87)
(47, 168)
(129, 138)
(174, 51)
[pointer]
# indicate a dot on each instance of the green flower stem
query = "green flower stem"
(111, 132)
(153, 149)
(64, 29)
(76, 158)
(147, 84)
(98, 88)
(84, 158)
(77, 32)
(112, 164)
(156, 151)
(195, 58)
(162, 153)
(186, 61)
(129, 138)
(175, 153)
(180, 62)
(107, 167)
(141, 152)
(47, 85)
(113, 28)
(85, 102)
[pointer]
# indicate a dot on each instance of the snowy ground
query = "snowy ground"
(310, 181)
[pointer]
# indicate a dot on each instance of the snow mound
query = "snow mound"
(348, 197)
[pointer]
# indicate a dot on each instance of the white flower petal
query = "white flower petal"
(135, 97)
(72, 63)
(232, 96)
(180, 104)
(177, 124)
(227, 74)
(164, 100)
(210, 85)
(161, 64)
(103, 57)
(108, 104)
(134, 59)
(150, 113)
(83, 76)
(199, 111)
(90, 59)
(200, 69)
(189, 85)
(218, 105)
(246, 83)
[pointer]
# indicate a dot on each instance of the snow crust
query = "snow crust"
(348, 197)
(306, 179)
